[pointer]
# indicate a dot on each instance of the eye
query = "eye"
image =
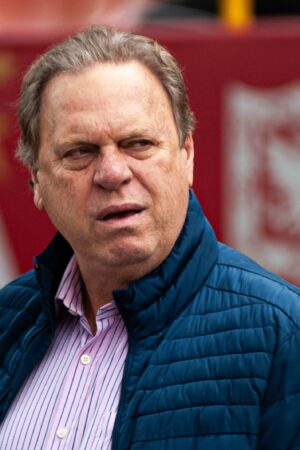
(137, 144)
(79, 152)
(79, 157)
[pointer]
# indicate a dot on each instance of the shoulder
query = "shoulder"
(17, 294)
(244, 283)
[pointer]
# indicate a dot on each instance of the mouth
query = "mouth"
(119, 213)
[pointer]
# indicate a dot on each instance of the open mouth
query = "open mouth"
(115, 213)
(121, 214)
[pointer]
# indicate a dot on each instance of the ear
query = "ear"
(188, 147)
(37, 196)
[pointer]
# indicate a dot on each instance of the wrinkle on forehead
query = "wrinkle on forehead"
(143, 91)
(128, 98)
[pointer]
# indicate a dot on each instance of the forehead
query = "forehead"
(107, 99)
(107, 88)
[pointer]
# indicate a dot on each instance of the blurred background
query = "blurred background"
(241, 61)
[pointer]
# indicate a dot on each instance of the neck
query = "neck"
(97, 292)
(100, 282)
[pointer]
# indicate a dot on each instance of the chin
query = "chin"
(130, 255)
(126, 257)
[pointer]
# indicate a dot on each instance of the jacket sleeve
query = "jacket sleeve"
(280, 413)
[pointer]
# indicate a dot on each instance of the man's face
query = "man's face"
(111, 174)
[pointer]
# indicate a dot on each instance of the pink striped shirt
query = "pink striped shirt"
(71, 398)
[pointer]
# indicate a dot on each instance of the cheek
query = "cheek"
(59, 193)
(167, 183)
(175, 193)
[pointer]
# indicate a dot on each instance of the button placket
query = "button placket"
(62, 429)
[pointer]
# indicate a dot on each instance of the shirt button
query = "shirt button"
(85, 359)
(62, 432)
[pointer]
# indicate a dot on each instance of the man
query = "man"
(137, 329)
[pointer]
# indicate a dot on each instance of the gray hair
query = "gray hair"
(98, 45)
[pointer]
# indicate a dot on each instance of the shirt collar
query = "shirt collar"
(69, 292)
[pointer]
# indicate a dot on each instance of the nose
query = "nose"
(112, 169)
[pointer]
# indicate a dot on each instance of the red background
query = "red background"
(266, 55)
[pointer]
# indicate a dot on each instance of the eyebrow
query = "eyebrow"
(136, 132)
(80, 142)
(130, 133)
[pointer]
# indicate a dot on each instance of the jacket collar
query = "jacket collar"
(155, 299)
(152, 301)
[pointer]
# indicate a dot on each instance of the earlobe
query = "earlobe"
(37, 197)
(189, 149)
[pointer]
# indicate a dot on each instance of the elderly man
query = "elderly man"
(136, 329)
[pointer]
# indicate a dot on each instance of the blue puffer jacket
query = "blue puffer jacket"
(214, 347)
